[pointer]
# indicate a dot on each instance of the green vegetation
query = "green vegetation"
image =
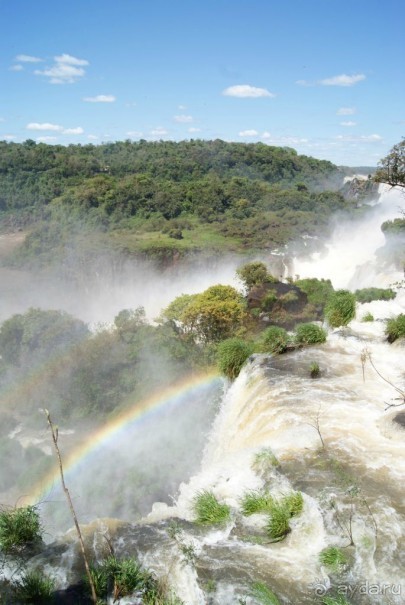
(119, 578)
(339, 600)
(274, 340)
(34, 587)
(317, 290)
(314, 370)
(395, 327)
(256, 502)
(333, 558)
(310, 334)
(391, 169)
(265, 459)
(232, 354)
(367, 317)
(278, 525)
(254, 274)
(369, 294)
(20, 529)
(208, 511)
(264, 595)
(341, 308)
(294, 503)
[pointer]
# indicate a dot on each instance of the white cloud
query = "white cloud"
(134, 134)
(8, 137)
(27, 59)
(46, 139)
(266, 135)
(193, 129)
(92, 137)
(248, 133)
(245, 91)
(346, 111)
(77, 130)
(100, 99)
(371, 138)
(183, 119)
(181, 107)
(66, 70)
(44, 126)
(288, 141)
(159, 132)
(304, 83)
(343, 80)
(349, 123)
(17, 67)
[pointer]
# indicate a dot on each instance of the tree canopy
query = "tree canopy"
(392, 168)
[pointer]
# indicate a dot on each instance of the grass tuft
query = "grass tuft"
(207, 509)
(367, 317)
(294, 503)
(34, 587)
(340, 600)
(278, 525)
(256, 502)
(264, 595)
(333, 558)
(265, 459)
(20, 528)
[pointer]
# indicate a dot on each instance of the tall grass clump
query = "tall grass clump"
(294, 503)
(339, 600)
(333, 558)
(367, 317)
(265, 459)
(278, 525)
(340, 308)
(395, 327)
(274, 340)
(263, 594)
(34, 587)
(256, 502)
(20, 529)
(309, 334)
(119, 578)
(369, 294)
(207, 509)
(231, 355)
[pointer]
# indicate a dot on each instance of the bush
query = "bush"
(232, 354)
(341, 308)
(395, 328)
(317, 290)
(268, 300)
(369, 294)
(309, 334)
(208, 510)
(274, 340)
(314, 370)
(254, 274)
(34, 587)
(333, 558)
(20, 528)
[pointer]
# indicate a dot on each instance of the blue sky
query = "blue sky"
(321, 76)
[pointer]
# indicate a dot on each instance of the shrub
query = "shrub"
(317, 290)
(395, 328)
(34, 587)
(341, 308)
(20, 528)
(268, 300)
(256, 502)
(264, 595)
(369, 294)
(208, 510)
(333, 558)
(232, 354)
(309, 334)
(367, 317)
(274, 340)
(254, 274)
(278, 525)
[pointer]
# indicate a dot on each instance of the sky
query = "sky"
(325, 77)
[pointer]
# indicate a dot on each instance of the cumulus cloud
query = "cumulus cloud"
(66, 70)
(248, 133)
(100, 99)
(245, 91)
(183, 119)
(159, 132)
(346, 111)
(77, 130)
(44, 126)
(46, 139)
(342, 80)
(17, 67)
(27, 59)
(92, 137)
(349, 123)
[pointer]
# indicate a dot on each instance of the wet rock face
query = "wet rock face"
(400, 419)
(361, 190)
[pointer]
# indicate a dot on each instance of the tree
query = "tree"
(254, 274)
(392, 168)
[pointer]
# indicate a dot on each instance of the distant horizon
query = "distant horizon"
(325, 78)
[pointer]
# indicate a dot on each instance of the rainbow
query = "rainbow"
(164, 399)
